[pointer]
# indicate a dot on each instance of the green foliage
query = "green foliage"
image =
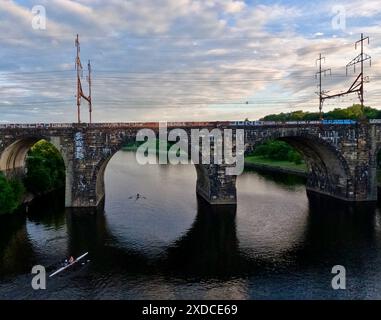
(278, 151)
(292, 116)
(11, 192)
(353, 112)
(46, 169)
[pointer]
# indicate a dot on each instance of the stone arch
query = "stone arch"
(13, 158)
(203, 183)
(328, 170)
(99, 176)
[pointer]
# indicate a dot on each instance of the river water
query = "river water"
(276, 244)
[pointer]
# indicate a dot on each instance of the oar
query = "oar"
(69, 265)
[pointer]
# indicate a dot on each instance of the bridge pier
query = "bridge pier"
(82, 191)
(214, 186)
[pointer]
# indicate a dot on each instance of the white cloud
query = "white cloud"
(232, 6)
(169, 60)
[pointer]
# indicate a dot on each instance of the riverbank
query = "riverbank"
(265, 165)
(29, 197)
(262, 164)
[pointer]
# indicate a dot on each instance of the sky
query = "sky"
(181, 60)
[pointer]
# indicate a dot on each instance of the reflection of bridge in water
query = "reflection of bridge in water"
(341, 158)
(210, 248)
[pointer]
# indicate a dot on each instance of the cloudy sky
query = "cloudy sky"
(181, 60)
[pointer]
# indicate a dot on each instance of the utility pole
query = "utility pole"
(360, 59)
(320, 93)
(89, 97)
(80, 94)
(358, 85)
(78, 67)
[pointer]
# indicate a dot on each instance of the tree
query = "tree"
(278, 151)
(46, 172)
(46, 169)
(11, 192)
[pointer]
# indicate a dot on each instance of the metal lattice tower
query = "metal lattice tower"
(80, 93)
(358, 85)
(320, 92)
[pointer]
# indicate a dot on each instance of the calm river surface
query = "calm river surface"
(276, 244)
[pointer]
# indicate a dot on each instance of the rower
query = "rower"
(139, 196)
(71, 260)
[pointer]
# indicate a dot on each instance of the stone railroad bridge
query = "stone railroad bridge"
(341, 159)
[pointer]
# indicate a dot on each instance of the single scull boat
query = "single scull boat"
(69, 265)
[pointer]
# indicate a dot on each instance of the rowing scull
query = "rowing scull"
(69, 265)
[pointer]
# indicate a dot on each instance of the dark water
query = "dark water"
(276, 244)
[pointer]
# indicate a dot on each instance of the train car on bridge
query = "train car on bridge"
(288, 123)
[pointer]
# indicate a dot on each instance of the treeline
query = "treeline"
(45, 173)
(354, 112)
